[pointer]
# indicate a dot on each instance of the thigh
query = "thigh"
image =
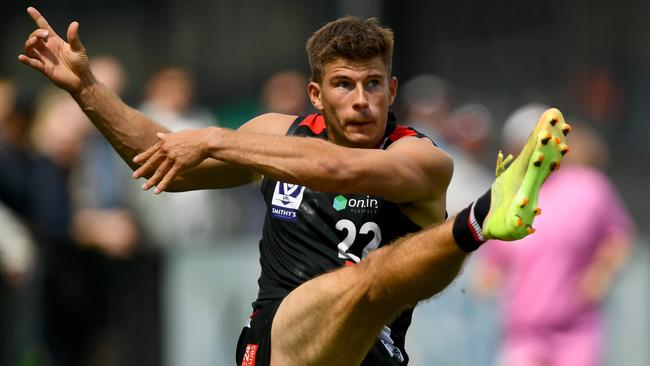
(335, 318)
(253, 346)
(329, 320)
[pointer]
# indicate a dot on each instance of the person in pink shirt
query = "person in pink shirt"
(554, 281)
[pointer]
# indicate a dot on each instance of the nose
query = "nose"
(360, 98)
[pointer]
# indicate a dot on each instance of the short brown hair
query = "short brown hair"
(351, 38)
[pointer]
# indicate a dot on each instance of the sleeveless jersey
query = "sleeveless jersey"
(307, 233)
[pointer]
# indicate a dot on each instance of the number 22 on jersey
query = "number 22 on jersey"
(351, 229)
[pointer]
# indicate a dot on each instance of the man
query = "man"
(358, 182)
(552, 304)
(284, 92)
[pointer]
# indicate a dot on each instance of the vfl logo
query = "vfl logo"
(286, 201)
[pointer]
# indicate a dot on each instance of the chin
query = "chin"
(361, 140)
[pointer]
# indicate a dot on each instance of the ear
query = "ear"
(313, 89)
(392, 89)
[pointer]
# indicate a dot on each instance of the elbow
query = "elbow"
(441, 176)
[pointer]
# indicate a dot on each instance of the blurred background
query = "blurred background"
(94, 271)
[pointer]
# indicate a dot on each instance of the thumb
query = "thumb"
(73, 37)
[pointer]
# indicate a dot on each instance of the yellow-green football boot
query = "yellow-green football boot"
(513, 205)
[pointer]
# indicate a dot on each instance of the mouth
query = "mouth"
(359, 123)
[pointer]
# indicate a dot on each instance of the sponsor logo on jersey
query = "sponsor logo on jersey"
(249, 356)
(286, 201)
(356, 205)
(340, 203)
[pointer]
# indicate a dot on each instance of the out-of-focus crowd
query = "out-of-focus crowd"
(95, 271)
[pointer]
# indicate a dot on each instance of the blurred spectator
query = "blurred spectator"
(468, 128)
(109, 71)
(169, 100)
(425, 103)
(555, 280)
(74, 295)
(188, 228)
(7, 99)
(73, 323)
(588, 149)
(103, 218)
(285, 92)
(598, 94)
(61, 145)
(18, 306)
(16, 249)
(18, 254)
(15, 156)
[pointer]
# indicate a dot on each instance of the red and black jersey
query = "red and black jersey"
(307, 232)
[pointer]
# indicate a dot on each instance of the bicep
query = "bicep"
(432, 166)
(412, 169)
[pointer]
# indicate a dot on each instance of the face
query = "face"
(354, 97)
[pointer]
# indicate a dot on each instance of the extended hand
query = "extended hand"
(65, 64)
(171, 155)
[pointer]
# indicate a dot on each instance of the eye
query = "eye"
(373, 83)
(342, 84)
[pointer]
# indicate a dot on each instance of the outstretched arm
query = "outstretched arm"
(412, 169)
(66, 65)
(128, 131)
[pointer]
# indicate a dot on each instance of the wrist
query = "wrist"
(88, 86)
(214, 141)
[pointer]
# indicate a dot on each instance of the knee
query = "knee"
(372, 293)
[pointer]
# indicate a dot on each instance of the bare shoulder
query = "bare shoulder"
(269, 124)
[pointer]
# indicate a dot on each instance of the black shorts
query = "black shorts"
(254, 345)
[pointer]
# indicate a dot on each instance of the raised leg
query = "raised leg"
(335, 318)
